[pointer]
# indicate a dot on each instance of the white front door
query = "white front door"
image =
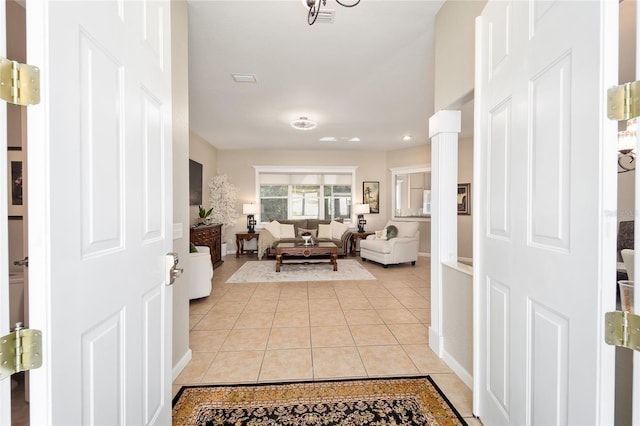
(546, 226)
(100, 211)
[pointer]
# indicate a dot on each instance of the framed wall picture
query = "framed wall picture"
(371, 195)
(195, 183)
(464, 198)
(15, 180)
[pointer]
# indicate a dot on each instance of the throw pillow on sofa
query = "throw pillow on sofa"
(324, 231)
(287, 231)
(337, 229)
(274, 228)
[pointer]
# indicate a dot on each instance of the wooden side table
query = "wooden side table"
(241, 237)
(355, 236)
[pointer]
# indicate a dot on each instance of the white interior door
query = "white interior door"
(544, 259)
(100, 211)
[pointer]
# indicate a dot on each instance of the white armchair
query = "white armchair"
(201, 273)
(400, 249)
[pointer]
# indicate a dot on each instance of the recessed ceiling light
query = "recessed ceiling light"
(356, 139)
(406, 138)
(244, 78)
(303, 123)
(328, 139)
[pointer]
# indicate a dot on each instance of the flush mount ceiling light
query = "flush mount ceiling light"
(328, 139)
(314, 8)
(406, 138)
(303, 123)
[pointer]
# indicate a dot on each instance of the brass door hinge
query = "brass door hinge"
(623, 102)
(622, 329)
(20, 350)
(19, 83)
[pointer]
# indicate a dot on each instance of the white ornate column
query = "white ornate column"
(444, 127)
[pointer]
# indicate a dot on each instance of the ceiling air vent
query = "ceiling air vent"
(244, 78)
(326, 16)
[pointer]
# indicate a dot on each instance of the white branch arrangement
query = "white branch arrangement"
(222, 199)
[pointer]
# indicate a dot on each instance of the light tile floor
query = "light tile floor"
(274, 332)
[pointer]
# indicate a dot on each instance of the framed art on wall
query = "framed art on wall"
(15, 180)
(371, 195)
(464, 198)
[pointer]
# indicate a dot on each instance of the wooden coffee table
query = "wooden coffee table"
(300, 251)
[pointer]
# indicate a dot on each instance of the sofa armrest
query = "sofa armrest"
(398, 241)
(264, 242)
(346, 242)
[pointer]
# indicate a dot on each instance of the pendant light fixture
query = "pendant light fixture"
(314, 8)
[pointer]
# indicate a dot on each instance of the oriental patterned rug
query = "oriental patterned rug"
(397, 401)
(264, 271)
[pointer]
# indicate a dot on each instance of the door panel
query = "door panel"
(102, 185)
(544, 185)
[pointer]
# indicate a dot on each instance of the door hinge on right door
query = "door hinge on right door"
(20, 350)
(19, 83)
(622, 329)
(623, 101)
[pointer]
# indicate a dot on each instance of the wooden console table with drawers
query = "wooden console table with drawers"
(210, 236)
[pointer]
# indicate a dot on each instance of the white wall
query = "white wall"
(454, 82)
(180, 97)
(457, 320)
(204, 153)
(454, 52)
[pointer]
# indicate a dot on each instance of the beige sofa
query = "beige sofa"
(267, 242)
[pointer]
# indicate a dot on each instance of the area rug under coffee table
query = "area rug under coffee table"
(397, 401)
(259, 271)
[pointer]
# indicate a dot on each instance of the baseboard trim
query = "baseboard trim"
(435, 341)
(177, 369)
(460, 371)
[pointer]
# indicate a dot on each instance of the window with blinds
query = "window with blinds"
(305, 195)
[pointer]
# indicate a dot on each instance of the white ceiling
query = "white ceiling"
(367, 75)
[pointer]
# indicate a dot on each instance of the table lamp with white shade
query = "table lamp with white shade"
(250, 210)
(361, 210)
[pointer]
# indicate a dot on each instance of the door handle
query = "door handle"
(22, 262)
(172, 270)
